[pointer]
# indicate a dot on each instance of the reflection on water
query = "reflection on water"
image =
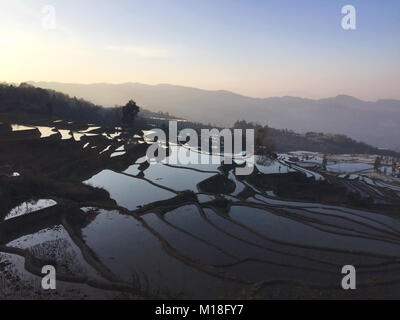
(129, 192)
(272, 167)
(90, 129)
(205, 198)
(297, 230)
(117, 154)
(175, 178)
(209, 245)
(128, 249)
(185, 243)
(65, 134)
(106, 149)
(349, 167)
(46, 132)
(254, 243)
(54, 244)
(78, 136)
(29, 207)
(16, 127)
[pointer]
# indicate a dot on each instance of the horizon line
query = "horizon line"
(207, 90)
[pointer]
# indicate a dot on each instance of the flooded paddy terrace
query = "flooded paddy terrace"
(115, 226)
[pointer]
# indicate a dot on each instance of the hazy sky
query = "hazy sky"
(254, 47)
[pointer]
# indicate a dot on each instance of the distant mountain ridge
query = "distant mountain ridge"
(376, 123)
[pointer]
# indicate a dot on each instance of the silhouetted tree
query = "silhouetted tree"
(324, 162)
(264, 146)
(129, 113)
(394, 167)
(377, 163)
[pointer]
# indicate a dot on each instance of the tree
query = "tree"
(394, 167)
(129, 113)
(264, 146)
(324, 162)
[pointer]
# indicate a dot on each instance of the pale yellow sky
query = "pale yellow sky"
(86, 49)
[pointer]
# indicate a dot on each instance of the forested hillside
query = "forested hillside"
(288, 140)
(26, 99)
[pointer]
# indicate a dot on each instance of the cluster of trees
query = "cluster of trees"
(328, 144)
(285, 140)
(263, 144)
(385, 162)
(377, 163)
(31, 100)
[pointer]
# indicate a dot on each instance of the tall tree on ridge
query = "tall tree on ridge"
(129, 113)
